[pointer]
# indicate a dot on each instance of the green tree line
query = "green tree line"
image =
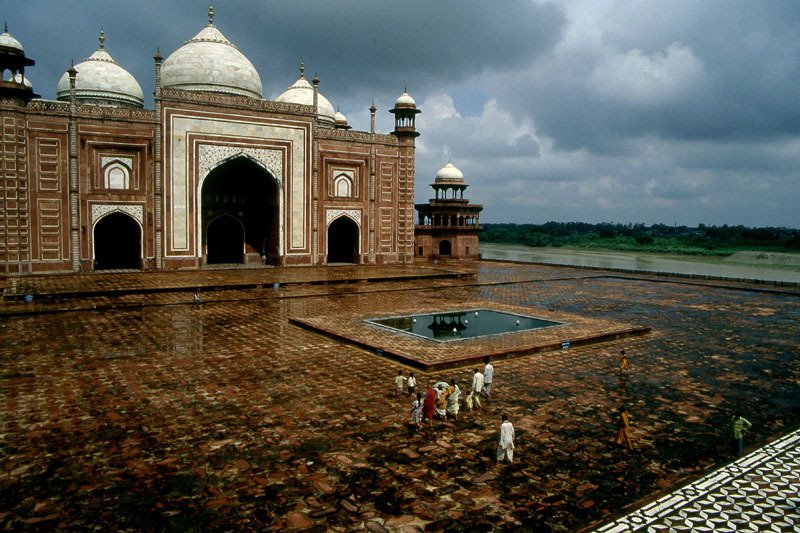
(657, 238)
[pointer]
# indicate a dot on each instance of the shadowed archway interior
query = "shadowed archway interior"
(117, 243)
(343, 241)
(239, 213)
(445, 248)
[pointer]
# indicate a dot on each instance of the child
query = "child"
(412, 383)
(416, 411)
(470, 399)
(398, 381)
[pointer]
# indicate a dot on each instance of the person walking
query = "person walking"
(453, 395)
(477, 388)
(624, 364)
(416, 411)
(488, 376)
(412, 384)
(738, 427)
(398, 383)
(505, 449)
(430, 402)
(624, 429)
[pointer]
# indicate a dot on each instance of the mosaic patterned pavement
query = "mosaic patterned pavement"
(759, 492)
(144, 412)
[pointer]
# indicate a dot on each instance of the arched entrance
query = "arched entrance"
(343, 241)
(117, 243)
(225, 240)
(445, 248)
(239, 213)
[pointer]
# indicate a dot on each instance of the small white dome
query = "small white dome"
(341, 120)
(8, 41)
(101, 79)
(301, 92)
(210, 62)
(449, 174)
(405, 100)
(25, 81)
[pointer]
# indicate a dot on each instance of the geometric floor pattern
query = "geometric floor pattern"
(759, 492)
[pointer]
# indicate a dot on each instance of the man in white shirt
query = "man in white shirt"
(488, 376)
(506, 446)
(477, 387)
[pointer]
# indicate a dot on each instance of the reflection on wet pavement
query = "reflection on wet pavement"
(145, 411)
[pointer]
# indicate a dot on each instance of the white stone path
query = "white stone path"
(759, 492)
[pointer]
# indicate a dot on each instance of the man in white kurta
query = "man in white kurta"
(477, 387)
(506, 446)
(488, 377)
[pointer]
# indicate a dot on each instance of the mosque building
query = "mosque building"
(214, 174)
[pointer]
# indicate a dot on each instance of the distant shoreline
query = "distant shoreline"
(743, 265)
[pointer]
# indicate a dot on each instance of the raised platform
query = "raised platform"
(425, 354)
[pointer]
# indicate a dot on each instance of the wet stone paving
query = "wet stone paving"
(144, 412)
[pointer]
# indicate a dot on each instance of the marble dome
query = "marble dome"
(405, 100)
(101, 80)
(8, 41)
(449, 174)
(301, 92)
(209, 62)
(341, 120)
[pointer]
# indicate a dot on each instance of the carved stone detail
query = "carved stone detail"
(134, 210)
(333, 214)
(213, 155)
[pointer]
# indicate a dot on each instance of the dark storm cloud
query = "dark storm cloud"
(646, 111)
(358, 48)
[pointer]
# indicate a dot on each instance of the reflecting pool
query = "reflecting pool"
(460, 325)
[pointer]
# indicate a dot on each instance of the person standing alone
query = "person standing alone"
(506, 446)
(739, 426)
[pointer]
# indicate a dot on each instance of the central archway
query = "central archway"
(343, 241)
(445, 248)
(117, 243)
(239, 213)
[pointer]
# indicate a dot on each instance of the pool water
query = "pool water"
(460, 325)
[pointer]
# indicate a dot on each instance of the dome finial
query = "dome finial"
(210, 15)
(102, 39)
(5, 26)
(302, 70)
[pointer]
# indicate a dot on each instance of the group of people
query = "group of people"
(443, 400)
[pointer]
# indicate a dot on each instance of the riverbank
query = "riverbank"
(745, 265)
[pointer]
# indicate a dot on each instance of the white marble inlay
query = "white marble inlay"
(333, 214)
(134, 210)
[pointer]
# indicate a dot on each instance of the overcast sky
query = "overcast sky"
(651, 111)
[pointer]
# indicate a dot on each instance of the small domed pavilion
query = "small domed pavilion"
(448, 224)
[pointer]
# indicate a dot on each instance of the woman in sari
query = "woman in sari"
(454, 393)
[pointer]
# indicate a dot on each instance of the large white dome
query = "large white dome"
(210, 62)
(301, 92)
(101, 80)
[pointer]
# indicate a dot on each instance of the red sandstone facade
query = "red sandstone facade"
(203, 178)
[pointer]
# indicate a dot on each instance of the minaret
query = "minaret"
(405, 112)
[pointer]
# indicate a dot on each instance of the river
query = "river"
(756, 266)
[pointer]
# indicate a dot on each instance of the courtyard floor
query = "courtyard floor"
(125, 406)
